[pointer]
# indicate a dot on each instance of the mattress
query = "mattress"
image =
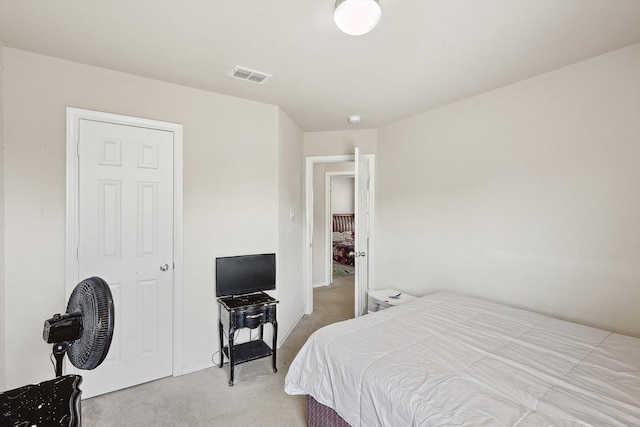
(449, 359)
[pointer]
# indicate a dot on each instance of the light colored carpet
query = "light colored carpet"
(204, 398)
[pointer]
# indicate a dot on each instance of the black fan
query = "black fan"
(84, 332)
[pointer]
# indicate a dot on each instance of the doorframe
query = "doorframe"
(74, 115)
(308, 234)
(328, 189)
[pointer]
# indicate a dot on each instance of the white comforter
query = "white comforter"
(447, 359)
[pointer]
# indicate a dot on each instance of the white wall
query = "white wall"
(291, 238)
(3, 321)
(342, 194)
(231, 190)
(335, 143)
(528, 195)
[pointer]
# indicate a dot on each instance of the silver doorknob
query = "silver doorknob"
(164, 267)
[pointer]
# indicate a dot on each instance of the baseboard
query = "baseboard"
(319, 285)
(191, 370)
(284, 336)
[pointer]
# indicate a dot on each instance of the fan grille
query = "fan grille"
(92, 299)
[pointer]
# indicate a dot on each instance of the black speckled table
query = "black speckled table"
(51, 403)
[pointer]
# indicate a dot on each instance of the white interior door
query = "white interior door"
(362, 213)
(125, 236)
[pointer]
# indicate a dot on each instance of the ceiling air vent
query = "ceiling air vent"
(250, 75)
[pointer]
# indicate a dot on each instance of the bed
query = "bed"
(342, 238)
(450, 359)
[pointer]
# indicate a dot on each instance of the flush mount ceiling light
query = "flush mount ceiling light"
(357, 17)
(354, 120)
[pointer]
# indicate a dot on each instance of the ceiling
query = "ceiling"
(423, 54)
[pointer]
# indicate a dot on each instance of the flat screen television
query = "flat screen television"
(244, 274)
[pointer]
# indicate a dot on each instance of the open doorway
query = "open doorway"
(339, 219)
(317, 232)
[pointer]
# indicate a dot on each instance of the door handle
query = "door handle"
(164, 267)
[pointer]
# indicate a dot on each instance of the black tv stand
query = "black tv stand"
(246, 311)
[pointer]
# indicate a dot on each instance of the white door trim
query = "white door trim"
(308, 235)
(329, 220)
(74, 115)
